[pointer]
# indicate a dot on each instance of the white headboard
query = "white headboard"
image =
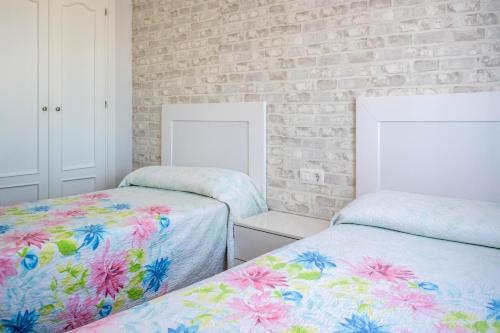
(230, 135)
(445, 145)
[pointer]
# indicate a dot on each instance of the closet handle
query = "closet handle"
(58, 108)
(44, 108)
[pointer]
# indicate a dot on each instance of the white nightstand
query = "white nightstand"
(268, 231)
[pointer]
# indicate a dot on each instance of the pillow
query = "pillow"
(234, 188)
(465, 221)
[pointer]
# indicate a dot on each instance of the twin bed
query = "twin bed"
(69, 261)
(392, 262)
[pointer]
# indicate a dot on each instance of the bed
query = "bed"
(67, 261)
(393, 261)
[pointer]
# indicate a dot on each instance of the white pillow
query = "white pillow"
(466, 221)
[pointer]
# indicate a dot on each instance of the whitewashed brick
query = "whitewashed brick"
(425, 65)
(309, 59)
(458, 63)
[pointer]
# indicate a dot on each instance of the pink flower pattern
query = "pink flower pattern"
(55, 221)
(77, 313)
(156, 210)
(7, 269)
(71, 213)
(417, 301)
(261, 310)
(109, 273)
(86, 203)
(96, 196)
(257, 277)
(377, 270)
(143, 229)
(35, 238)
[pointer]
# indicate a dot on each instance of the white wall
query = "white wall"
(123, 87)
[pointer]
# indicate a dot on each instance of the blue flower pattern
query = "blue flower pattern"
(21, 323)
(184, 329)
(30, 261)
(164, 222)
(105, 310)
(156, 273)
(39, 209)
(360, 324)
(120, 206)
(494, 309)
(428, 286)
(93, 235)
(311, 259)
(4, 229)
(292, 296)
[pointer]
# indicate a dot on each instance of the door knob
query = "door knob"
(58, 108)
(44, 108)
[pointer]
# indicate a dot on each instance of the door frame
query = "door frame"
(123, 99)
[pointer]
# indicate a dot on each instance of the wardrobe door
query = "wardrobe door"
(77, 96)
(23, 100)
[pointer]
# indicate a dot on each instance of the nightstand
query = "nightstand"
(271, 230)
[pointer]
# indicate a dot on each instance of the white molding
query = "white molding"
(372, 112)
(111, 95)
(252, 113)
(119, 92)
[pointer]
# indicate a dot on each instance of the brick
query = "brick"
(458, 63)
(326, 84)
(491, 61)
(389, 80)
(431, 37)
(399, 40)
(354, 83)
(481, 19)
(425, 65)
(358, 57)
(380, 3)
(297, 97)
(468, 35)
(463, 6)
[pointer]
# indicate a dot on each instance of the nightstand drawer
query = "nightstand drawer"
(237, 262)
(251, 243)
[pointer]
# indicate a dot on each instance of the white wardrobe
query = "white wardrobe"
(54, 91)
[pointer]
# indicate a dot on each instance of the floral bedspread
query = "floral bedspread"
(69, 261)
(348, 279)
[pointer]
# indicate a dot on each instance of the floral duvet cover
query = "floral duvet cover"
(66, 262)
(347, 279)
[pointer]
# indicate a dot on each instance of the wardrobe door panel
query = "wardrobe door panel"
(78, 122)
(23, 100)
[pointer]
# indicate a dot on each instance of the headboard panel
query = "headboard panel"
(230, 135)
(445, 145)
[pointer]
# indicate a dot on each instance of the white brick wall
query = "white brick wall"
(308, 59)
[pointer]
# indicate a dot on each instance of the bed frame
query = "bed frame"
(230, 135)
(445, 145)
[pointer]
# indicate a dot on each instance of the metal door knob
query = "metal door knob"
(58, 108)
(44, 108)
